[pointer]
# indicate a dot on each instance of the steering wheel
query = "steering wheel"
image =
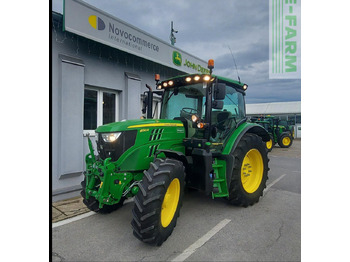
(187, 112)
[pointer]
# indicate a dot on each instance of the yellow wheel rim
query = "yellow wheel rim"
(269, 144)
(286, 141)
(170, 202)
(252, 170)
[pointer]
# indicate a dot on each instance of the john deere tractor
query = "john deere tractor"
(202, 141)
(280, 131)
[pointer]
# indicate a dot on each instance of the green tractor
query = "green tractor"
(202, 141)
(279, 130)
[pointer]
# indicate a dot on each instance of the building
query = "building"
(289, 111)
(100, 66)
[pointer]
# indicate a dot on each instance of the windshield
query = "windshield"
(188, 101)
(184, 101)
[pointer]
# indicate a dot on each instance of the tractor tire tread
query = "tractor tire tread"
(146, 222)
(237, 195)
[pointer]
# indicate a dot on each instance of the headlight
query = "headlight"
(110, 137)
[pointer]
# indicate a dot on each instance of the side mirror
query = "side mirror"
(219, 91)
(218, 104)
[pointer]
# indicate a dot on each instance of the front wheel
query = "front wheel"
(158, 203)
(250, 171)
(285, 141)
(270, 144)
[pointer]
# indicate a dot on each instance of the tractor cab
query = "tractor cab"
(210, 107)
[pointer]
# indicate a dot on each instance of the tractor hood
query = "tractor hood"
(137, 124)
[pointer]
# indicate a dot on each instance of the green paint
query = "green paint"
(108, 181)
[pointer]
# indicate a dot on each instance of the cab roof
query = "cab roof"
(181, 80)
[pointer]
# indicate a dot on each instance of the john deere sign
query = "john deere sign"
(177, 60)
(85, 20)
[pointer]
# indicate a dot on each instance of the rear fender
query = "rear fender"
(233, 141)
(288, 133)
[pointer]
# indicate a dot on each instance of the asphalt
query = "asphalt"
(69, 208)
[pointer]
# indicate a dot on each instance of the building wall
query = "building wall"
(289, 111)
(78, 63)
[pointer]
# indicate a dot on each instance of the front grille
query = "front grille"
(115, 149)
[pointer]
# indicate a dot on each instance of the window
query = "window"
(291, 119)
(90, 109)
(184, 103)
(234, 104)
(156, 106)
(108, 107)
(232, 113)
(100, 108)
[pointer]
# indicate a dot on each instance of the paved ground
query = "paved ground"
(267, 231)
(68, 208)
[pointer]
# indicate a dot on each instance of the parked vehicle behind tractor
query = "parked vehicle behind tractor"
(279, 130)
(202, 140)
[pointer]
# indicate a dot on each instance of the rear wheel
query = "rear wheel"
(285, 140)
(158, 203)
(250, 171)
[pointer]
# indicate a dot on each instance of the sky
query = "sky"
(209, 29)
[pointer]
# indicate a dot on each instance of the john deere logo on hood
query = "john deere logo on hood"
(177, 59)
(96, 22)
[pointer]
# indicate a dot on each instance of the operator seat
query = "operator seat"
(222, 118)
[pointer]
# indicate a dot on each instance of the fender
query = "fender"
(202, 180)
(174, 155)
(227, 153)
(288, 133)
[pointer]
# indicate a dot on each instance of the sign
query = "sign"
(85, 20)
(284, 43)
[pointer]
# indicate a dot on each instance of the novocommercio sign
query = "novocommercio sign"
(85, 20)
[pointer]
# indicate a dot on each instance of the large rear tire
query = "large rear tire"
(250, 171)
(158, 203)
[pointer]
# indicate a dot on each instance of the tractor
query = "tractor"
(202, 141)
(279, 130)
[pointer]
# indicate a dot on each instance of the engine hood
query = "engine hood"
(137, 124)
